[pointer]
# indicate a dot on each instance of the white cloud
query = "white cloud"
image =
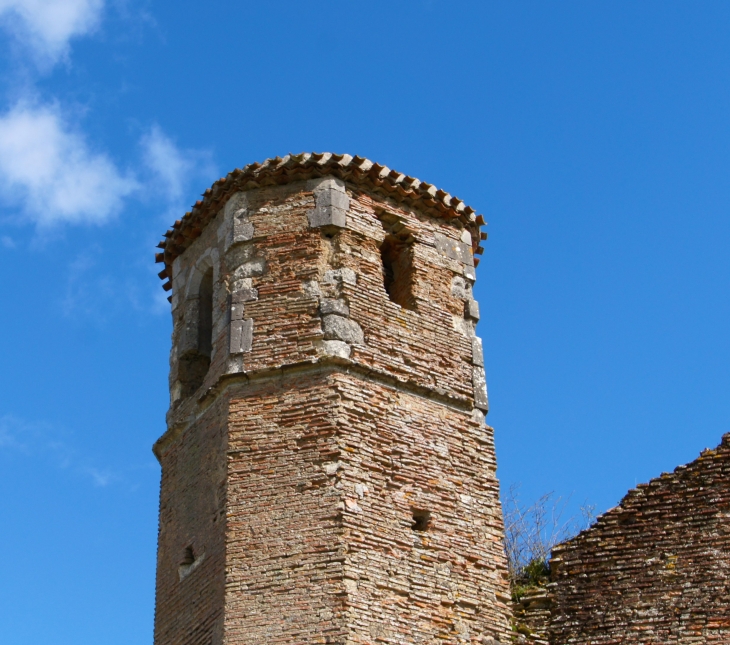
(47, 26)
(173, 168)
(166, 161)
(49, 169)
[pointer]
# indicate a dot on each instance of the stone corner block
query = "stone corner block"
(327, 216)
(244, 294)
(331, 205)
(477, 352)
(324, 183)
(236, 203)
(481, 400)
(242, 230)
(454, 249)
(471, 309)
(241, 336)
(334, 276)
(334, 348)
(334, 306)
(339, 328)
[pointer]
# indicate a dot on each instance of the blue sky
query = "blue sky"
(593, 136)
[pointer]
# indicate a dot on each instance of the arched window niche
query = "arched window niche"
(194, 360)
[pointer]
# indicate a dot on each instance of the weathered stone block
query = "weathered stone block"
(331, 206)
(481, 400)
(248, 269)
(454, 249)
(242, 229)
(241, 336)
(471, 309)
(335, 348)
(244, 294)
(340, 328)
(345, 275)
(236, 311)
(460, 288)
(477, 353)
(334, 306)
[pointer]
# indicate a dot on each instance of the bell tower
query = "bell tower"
(327, 474)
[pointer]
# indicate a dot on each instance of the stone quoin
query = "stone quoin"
(327, 474)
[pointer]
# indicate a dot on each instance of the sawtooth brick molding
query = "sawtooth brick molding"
(327, 473)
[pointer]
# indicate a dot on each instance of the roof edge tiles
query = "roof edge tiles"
(357, 171)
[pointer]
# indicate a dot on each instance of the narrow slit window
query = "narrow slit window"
(396, 255)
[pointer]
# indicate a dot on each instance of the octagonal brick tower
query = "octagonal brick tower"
(327, 475)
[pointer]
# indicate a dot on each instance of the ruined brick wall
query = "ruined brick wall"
(655, 569)
(531, 615)
(359, 491)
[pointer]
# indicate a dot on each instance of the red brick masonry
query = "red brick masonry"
(327, 473)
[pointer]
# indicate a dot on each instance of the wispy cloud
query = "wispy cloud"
(49, 169)
(45, 27)
(42, 439)
(173, 168)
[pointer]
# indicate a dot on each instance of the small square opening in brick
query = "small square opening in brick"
(421, 520)
(188, 557)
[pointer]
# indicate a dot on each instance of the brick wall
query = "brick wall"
(655, 569)
(189, 598)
